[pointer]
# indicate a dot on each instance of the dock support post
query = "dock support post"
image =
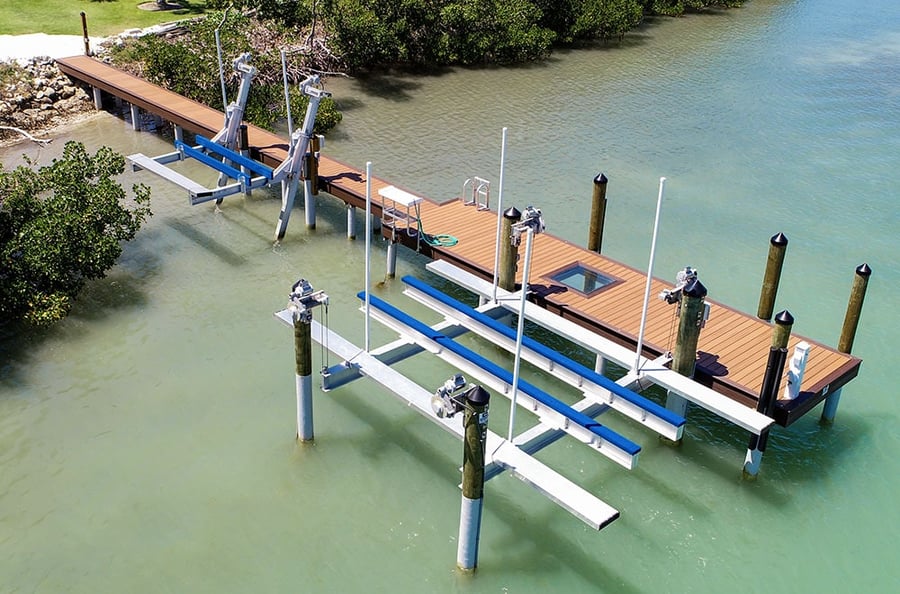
(244, 149)
(781, 334)
(392, 255)
(309, 203)
(774, 263)
(179, 132)
(98, 98)
(600, 364)
(376, 224)
(303, 357)
(766, 405)
(314, 143)
(475, 427)
(135, 117)
(509, 250)
(351, 221)
(598, 214)
(848, 333)
(690, 321)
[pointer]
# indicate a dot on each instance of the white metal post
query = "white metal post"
(499, 213)
(640, 343)
(368, 245)
(287, 95)
(520, 330)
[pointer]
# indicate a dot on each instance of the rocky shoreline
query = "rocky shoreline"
(36, 97)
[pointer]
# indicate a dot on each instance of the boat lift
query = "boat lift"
(228, 153)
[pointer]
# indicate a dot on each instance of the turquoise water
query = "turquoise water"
(146, 444)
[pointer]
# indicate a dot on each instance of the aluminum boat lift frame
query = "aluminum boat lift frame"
(555, 418)
(224, 154)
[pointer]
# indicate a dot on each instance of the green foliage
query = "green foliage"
(436, 32)
(679, 7)
(291, 13)
(494, 31)
(606, 18)
(61, 225)
(189, 67)
(363, 32)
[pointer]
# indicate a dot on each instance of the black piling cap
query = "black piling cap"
(512, 213)
(695, 289)
(600, 179)
(779, 239)
(863, 269)
(478, 396)
(784, 318)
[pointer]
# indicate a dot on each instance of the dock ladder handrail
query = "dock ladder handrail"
(477, 191)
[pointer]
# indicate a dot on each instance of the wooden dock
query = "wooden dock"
(733, 347)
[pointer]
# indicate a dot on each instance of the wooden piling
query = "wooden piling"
(777, 247)
(303, 359)
(509, 252)
(598, 214)
(689, 323)
(766, 405)
(475, 428)
(848, 333)
(854, 307)
(781, 330)
(768, 395)
(690, 320)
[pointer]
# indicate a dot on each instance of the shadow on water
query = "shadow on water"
(537, 552)
(396, 87)
(208, 243)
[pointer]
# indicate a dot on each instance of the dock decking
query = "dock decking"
(733, 347)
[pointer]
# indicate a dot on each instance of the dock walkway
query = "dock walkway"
(733, 347)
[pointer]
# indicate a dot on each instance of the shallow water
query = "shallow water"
(146, 443)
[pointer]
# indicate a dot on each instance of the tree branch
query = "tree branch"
(41, 141)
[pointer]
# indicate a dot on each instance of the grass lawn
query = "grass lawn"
(104, 17)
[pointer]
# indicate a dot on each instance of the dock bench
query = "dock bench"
(616, 447)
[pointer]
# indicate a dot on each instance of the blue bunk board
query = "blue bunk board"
(212, 162)
(235, 157)
(547, 400)
(545, 351)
